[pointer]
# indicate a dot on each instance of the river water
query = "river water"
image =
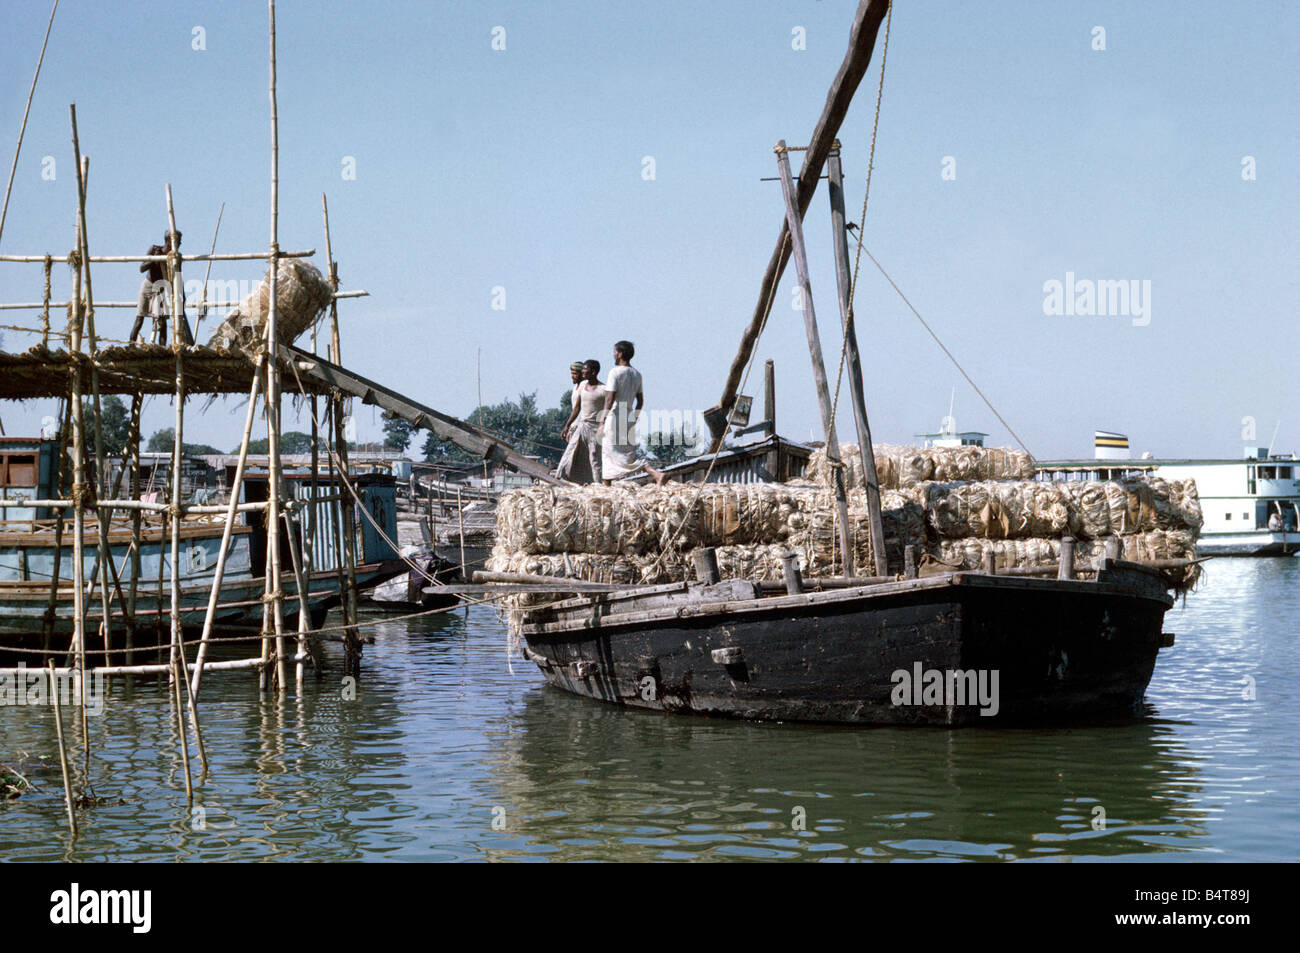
(446, 755)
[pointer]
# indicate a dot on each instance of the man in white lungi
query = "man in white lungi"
(619, 453)
(581, 462)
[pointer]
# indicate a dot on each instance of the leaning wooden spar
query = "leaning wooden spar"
(900, 640)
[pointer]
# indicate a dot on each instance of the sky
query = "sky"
(601, 177)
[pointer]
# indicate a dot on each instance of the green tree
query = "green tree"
(163, 441)
(292, 441)
(115, 422)
(677, 443)
(519, 424)
(397, 432)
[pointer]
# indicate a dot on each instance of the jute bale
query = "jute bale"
(813, 530)
(1089, 508)
(904, 466)
(588, 519)
(301, 296)
(734, 562)
(994, 510)
(968, 553)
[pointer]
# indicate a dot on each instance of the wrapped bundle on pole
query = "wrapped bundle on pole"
(301, 296)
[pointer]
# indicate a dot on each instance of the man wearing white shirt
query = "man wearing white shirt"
(619, 453)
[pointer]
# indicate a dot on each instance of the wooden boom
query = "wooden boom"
(445, 426)
(862, 40)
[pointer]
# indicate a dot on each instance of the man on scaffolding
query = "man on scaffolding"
(155, 295)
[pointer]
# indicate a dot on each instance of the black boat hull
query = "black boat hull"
(1046, 651)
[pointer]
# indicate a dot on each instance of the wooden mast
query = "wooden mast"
(815, 352)
(843, 278)
(862, 40)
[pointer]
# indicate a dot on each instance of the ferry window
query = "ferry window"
(1245, 516)
(1227, 516)
(1267, 473)
(1284, 473)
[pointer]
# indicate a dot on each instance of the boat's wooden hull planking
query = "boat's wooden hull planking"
(1060, 652)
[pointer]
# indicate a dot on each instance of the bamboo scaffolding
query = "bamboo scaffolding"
(82, 364)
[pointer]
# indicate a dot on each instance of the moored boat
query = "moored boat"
(951, 649)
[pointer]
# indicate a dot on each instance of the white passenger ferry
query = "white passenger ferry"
(1251, 504)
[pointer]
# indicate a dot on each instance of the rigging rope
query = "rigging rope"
(951, 357)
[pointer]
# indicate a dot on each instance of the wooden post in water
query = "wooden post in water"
(794, 222)
(853, 359)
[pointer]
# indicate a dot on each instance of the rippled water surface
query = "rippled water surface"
(447, 755)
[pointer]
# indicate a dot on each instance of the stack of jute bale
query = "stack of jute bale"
(952, 504)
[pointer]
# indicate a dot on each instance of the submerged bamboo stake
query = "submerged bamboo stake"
(63, 750)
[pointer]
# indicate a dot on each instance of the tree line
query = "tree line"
(521, 423)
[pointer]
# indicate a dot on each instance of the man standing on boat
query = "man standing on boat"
(620, 455)
(581, 461)
(155, 292)
(575, 374)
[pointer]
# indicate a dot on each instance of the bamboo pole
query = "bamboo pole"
(202, 311)
(51, 608)
(302, 580)
(78, 493)
(63, 750)
(794, 221)
(140, 259)
(104, 554)
(347, 513)
(274, 592)
(22, 130)
(228, 530)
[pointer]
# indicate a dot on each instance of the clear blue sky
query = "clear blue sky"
(522, 168)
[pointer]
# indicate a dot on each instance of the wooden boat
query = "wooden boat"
(953, 648)
(36, 561)
(1041, 650)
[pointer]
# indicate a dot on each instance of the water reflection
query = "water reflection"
(663, 786)
(444, 754)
